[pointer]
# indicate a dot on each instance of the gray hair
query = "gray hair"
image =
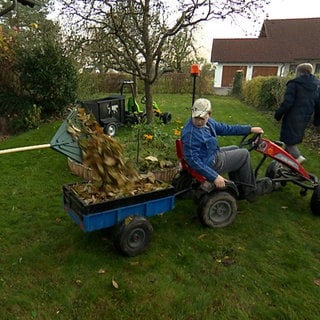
(304, 68)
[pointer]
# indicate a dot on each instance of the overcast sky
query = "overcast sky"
(242, 28)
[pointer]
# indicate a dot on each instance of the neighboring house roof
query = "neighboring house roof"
(280, 41)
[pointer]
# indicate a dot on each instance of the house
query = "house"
(282, 44)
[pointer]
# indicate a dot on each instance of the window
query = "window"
(292, 68)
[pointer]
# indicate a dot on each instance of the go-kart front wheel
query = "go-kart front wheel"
(274, 171)
(315, 201)
(218, 209)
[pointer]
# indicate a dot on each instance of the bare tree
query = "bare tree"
(136, 36)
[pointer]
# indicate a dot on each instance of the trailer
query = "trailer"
(126, 215)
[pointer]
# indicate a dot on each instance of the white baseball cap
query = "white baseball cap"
(201, 107)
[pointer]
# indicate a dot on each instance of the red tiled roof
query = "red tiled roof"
(280, 41)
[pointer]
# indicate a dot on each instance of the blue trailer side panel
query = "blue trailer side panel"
(108, 218)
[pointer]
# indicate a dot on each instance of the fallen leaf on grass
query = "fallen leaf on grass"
(114, 283)
(101, 271)
(78, 282)
(317, 282)
(202, 236)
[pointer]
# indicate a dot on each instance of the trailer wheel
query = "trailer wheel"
(110, 129)
(315, 201)
(217, 210)
(166, 117)
(133, 236)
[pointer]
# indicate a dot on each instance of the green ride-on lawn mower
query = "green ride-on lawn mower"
(111, 112)
(134, 109)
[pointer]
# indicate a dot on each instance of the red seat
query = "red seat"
(184, 165)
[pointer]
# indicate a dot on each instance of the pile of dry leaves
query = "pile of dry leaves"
(112, 176)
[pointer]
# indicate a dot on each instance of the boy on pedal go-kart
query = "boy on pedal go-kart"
(203, 154)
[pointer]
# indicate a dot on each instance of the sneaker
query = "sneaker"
(251, 197)
(301, 159)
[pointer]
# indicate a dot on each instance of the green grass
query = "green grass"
(263, 266)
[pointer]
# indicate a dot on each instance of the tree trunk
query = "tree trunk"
(135, 85)
(148, 95)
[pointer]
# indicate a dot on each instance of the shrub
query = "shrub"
(47, 77)
(7, 56)
(237, 83)
(19, 111)
(251, 91)
(94, 84)
(264, 93)
(272, 91)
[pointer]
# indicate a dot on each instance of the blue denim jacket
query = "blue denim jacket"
(201, 144)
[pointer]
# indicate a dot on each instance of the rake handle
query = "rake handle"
(39, 146)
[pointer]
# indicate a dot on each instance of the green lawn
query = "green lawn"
(263, 266)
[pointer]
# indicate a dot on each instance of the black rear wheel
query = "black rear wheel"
(217, 210)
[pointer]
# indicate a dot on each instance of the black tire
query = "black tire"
(110, 129)
(130, 119)
(273, 172)
(218, 209)
(315, 201)
(141, 117)
(133, 236)
(166, 117)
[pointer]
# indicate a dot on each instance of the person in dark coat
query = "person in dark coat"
(301, 101)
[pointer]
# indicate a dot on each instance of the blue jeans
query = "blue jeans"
(237, 163)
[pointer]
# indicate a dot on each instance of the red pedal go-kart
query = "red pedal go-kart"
(218, 207)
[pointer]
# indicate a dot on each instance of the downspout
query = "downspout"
(281, 70)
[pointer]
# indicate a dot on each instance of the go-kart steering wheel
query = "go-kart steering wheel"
(250, 141)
